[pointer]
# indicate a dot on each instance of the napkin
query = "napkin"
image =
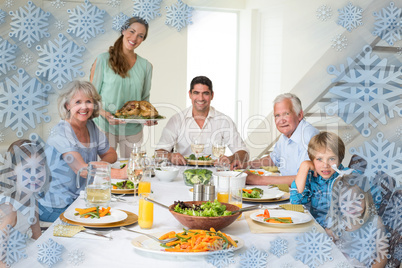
(282, 187)
(298, 208)
(67, 230)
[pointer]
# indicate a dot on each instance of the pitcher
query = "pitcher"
(98, 186)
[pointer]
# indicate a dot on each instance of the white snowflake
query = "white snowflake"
(381, 155)
(59, 25)
(368, 88)
(371, 244)
(279, 247)
(12, 245)
(76, 257)
(58, 3)
(22, 100)
(313, 248)
(147, 9)
(350, 17)
(7, 56)
(9, 3)
(389, 24)
(59, 61)
(2, 16)
(113, 3)
(221, 258)
(398, 252)
(30, 24)
(324, 12)
(2, 137)
(339, 42)
(49, 253)
(86, 21)
(178, 15)
(118, 21)
(347, 137)
(392, 215)
(26, 59)
(50, 132)
(253, 258)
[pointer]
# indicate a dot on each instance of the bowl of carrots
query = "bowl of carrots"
(205, 223)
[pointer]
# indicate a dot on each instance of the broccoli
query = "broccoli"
(194, 176)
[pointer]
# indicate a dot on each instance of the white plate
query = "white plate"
(115, 216)
(269, 193)
(297, 217)
(140, 121)
(146, 244)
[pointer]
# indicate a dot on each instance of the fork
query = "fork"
(119, 198)
(151, 236)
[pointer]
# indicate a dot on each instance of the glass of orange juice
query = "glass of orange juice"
(223, 189)
(145, 212)
(144, 186)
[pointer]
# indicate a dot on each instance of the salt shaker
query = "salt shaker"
(198, 192)
(209, 193)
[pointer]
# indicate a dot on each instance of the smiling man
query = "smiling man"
(201, 123)
(291, 149)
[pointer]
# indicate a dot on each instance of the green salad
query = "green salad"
(194, 176)
(123, 185)
(253, 193)
(208, 209)
(201, 158)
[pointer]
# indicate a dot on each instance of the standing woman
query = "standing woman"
(121, 75)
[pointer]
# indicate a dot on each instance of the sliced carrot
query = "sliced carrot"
(104, 212)
(86, 210)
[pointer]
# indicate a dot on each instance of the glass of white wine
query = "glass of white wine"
(218, 150)
(197, 147)
(135, 169)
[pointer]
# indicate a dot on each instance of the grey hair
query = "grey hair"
(70, 90)
(296, 103)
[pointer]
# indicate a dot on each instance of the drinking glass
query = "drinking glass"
(218, 150)
(223, 189)
(144, 186)
(197, 147)
(160, 158)
(135, 169)
(235, 197)
(145, 212)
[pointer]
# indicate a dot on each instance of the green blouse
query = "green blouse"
(116, 91)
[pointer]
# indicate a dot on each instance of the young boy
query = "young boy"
(315, 178)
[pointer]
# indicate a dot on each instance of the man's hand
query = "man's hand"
(177, 159)
(151, 123)
(237, 164)
(113, 120)
(223, 161)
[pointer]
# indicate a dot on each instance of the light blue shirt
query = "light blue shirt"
(289, 153)
(63, 190)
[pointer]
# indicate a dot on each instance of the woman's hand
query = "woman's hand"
(151, 123)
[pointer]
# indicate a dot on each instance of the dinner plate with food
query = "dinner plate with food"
(211, 241)
(138, 112)
(95, 215)
(204, 160)
(280, 218)
(261, 193)
(122, 187)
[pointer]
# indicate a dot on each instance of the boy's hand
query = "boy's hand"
(308, 165)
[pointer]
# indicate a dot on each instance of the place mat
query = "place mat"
(282, 187)
(131, 218)
(298, 208)
(285, 197)
(261, 228)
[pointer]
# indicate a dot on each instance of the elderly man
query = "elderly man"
(203, 123)
(291, 149)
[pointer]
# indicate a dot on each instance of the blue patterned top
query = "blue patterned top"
(317, 193)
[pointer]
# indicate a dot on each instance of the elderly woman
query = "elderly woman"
(75, 142)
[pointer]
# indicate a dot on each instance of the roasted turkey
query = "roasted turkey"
(137, 108)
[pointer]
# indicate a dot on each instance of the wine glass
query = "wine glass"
(218, 150)
(197, 147)
(135, 170)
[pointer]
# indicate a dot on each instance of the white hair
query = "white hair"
(296, 103)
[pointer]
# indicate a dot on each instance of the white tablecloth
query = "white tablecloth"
(119, 252)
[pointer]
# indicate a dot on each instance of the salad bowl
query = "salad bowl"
(205, 223)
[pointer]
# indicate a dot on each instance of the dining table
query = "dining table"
(261, 245)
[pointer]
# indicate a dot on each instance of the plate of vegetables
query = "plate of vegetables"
(190, 243)
(95, 215)
(280, 218)
(261, 193)
(204, 160)
(123, 187)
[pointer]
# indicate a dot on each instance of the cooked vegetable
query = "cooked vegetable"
(123, 165)
(194, 176)
(93, 212)
(207, 209)
(253, 193)
(270, 219)
(198, 241)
